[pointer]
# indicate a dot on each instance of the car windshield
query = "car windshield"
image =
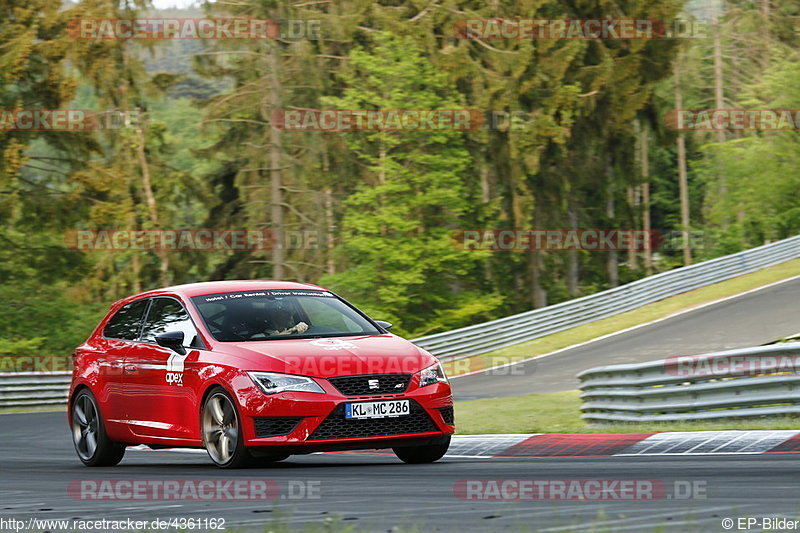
(274, 314)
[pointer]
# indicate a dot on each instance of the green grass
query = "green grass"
(559, 412)
(635, 317)
(50, 409)
(555, 412)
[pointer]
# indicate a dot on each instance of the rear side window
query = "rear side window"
(167, 315)
(125, 324)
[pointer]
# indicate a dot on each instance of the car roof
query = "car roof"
(190, 290)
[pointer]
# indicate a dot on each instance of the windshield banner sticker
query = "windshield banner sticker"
(261, 294)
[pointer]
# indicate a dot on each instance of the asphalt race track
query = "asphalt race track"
(748, 320)
(377, 492)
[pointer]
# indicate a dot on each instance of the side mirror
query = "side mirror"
(384, 324)
(172, 340)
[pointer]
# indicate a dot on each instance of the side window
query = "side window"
(166, 315)
(125, 324)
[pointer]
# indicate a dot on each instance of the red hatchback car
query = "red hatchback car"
(254, 371)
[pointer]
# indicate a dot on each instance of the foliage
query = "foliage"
(382, 206)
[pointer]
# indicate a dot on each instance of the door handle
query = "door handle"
(129, 369)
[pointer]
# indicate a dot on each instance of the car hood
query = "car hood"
(333, 356)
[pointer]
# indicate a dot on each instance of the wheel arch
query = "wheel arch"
(74, 393)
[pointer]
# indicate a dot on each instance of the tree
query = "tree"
(398, 223)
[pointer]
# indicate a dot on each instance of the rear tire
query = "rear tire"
(89, 436)
(427, 453)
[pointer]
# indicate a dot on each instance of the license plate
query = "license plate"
(383, 409)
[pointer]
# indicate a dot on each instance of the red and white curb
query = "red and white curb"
(541, 445)
(625, 444)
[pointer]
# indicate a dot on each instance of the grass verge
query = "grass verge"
(559, 412)
(635, 317)
(52, 409)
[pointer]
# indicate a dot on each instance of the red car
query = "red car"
(254, 371)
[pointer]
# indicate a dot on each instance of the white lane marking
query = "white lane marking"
(485, 445)
(773, 438)
(682, 454)
(454, 456)
(620, 332)
(666, 442)
(594, 525)
(712, 439)
(729, 443)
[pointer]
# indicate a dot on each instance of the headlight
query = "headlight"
(432, 374)
(271, 383)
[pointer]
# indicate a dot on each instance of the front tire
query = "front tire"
(222, 431)
(89, 435)
(427, 453)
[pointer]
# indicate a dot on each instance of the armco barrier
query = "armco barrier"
(488, 336)
(740, 383)
(33, 389)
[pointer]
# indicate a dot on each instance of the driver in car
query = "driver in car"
(280, 321)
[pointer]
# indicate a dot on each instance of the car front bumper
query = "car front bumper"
(305, 422)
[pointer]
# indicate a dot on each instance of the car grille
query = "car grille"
(360, 385)
(336, 426)
(275, 426)
(448, 415)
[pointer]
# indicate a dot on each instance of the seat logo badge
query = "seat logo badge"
(373, 384)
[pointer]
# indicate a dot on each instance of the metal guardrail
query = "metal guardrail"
(488, 336)
(740, 383)
(33, 389)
